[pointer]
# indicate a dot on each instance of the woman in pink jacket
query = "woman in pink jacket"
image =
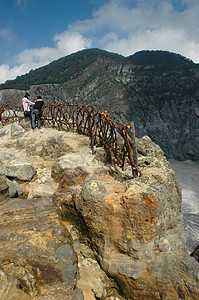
(27, 105)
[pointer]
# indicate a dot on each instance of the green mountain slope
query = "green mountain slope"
(61, 70)
(68, 67)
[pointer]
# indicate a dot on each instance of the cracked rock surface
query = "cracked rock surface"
(80, 229)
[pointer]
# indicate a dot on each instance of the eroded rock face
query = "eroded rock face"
(135, 228)
(39, 259)
(17, 168)
(29, 146)
(58, 144)
(16, 130)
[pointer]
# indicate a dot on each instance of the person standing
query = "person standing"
(36, 112)
(27, 105)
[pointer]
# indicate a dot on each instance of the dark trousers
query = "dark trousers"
(27, 114)
(35, 116)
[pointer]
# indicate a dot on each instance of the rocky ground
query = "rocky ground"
(39, 149)
(73, 227)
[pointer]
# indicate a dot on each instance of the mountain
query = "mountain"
(158, 90)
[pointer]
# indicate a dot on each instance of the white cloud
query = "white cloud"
(69, 42)
(150, 25)
(122, 26)
(157, 39)
(11, 73)
(65, 44)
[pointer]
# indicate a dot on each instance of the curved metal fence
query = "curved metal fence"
(102, 129)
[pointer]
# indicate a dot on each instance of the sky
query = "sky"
(34, 33)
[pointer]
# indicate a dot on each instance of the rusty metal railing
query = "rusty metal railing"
(101, 128)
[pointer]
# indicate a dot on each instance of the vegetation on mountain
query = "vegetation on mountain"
(72, 66)
(61, 70)
(162, 60)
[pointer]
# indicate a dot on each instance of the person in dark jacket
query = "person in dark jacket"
(36, 112)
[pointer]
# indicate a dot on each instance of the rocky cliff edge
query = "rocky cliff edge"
(73, 227)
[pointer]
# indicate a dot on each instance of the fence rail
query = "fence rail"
(102, 129)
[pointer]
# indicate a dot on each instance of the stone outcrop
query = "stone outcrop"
(135, 227)
(16, 130)
(58, 144)
(15, 167)
(39, 260)
(34, 197)
(80, 227)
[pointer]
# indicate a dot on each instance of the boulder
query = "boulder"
(16, 130)
(61, 143)
(44, 189)
(20, 170)
(135, 228)
(41, 261)
(17, 167)
(13, 193)
(25, 123)
(72, 168)
(14, 188)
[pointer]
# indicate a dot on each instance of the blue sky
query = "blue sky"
(36, 32)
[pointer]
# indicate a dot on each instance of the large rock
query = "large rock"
(14, 188)
(44, 189)
(25, 123)
(74, 167)
(20, 170)
(61, 143)
(70, 165)
(16, 167)
(36, 254)
(135, 228)
(16, 130)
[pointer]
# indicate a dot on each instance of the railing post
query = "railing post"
(133, 143)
